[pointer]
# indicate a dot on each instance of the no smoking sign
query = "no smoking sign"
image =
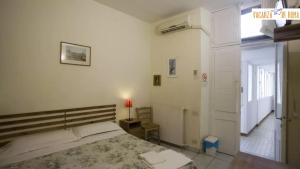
(204, 77)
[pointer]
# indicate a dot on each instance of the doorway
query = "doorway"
(258, 100)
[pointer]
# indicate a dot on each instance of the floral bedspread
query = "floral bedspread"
(120, 152)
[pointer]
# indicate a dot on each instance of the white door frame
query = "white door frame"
(282, 119)
(284, 90)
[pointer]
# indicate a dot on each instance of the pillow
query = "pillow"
(95, 128)
(37, 141)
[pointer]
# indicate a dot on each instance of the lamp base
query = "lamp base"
(129, 119)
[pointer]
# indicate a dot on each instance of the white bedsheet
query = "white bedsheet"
(6, 159)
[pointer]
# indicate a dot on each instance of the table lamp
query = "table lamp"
(128, 104)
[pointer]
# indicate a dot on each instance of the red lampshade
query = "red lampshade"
(128, 103)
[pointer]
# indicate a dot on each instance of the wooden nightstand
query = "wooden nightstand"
(132, 127)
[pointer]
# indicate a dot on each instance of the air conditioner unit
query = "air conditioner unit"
(175, 25)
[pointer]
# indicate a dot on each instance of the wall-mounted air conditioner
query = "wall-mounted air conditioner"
(192, 20)
(175, 25)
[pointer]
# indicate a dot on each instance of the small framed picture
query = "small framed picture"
(172, 67)
(156, 80)
(75, 54)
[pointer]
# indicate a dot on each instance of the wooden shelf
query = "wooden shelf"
(286, 33)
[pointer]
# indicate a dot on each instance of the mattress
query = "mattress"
(115, 151)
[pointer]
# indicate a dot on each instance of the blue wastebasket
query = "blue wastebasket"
(211, 145)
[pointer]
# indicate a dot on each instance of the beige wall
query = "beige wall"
(32, 79)
(182, 92)
(190, 48)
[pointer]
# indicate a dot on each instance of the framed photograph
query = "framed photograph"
(156, 80)
(75, 54)
(172, 67)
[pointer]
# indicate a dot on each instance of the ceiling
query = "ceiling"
(154, 10)
(262, 56)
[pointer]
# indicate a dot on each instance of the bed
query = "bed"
(71, 139)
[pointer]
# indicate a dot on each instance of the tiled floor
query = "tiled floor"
(202, 161)
(261, 141)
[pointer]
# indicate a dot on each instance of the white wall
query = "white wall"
(265, 106)
(252, 106)
(183, 92)
(32, 79)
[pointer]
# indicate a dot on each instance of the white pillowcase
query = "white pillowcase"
(95, 128)
(37, 141)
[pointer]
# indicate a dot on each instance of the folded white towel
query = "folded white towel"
(167, 159)
(174, 160)
(152, 158)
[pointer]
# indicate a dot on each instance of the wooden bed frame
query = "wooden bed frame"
(14, 125)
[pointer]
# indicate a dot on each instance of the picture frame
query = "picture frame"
(156, 80)
(172, 69)
(75, 54)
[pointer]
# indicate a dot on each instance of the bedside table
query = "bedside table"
(132, 127)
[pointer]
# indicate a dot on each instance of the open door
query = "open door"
(280, 105)
(292, 105)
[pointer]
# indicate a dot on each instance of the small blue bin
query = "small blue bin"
(211, 145)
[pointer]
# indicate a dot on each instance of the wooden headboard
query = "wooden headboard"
(14, 125)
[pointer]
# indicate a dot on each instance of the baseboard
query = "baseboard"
(247, 134)
(172, 144)
(272, 111)
(193, 149)
(186, 147)
(244, 134)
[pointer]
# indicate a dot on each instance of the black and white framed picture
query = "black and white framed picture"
(75, 54)
(171, 67)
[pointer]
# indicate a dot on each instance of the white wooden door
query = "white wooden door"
(225, 70)
(226, 26)
(226, 98)
(280, 103)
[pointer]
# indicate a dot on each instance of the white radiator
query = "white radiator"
(171, 121)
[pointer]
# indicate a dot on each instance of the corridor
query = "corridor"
(260, 141)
